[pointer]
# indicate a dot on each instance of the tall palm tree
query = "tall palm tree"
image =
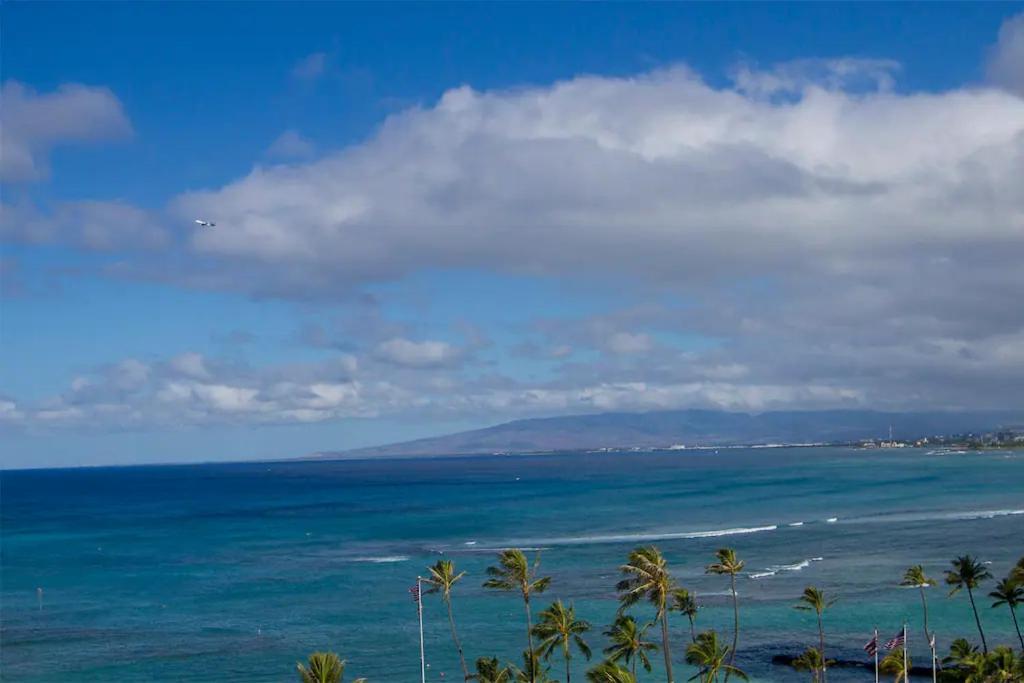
(610, 672)
(814, 600)
(647, 578)
(968, 573)
(686, 602)
(915, 577)
(322, 667)
(441, 577)
(515, 573)
(628, 643)
(489, 670)
(710, 656)
(558, 628)
(729, 564)
(1010, 593)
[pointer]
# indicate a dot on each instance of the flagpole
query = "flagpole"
(906, 662)
(876, 655)
(931, 644)
(419, 609)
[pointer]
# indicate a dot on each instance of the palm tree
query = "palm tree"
(812, 661)
(915, 577)
(813, 600)
(558, 627)
(610, 672)
(1001, 666)
(894, 663)
(968, 573)
(710, 656)
(684, 601)
(960, 651)
(1010, 593)
(1017, 573)
(628, 643)
(322, 667)
(441, 578)
(515, 573)
(729, 564)
(489, 670)
(647, 577)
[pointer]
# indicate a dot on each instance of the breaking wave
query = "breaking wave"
(648, 536)
(775, 569)
(383, 559)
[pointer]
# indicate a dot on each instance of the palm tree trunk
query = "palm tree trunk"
(455, 637)
(735, 626)
(924, 606)
(529, 637)
(977, 620)
(693, 632)
(927, 631)
(664, 646)
(821, 647)
(1013, 613)
(567, 672)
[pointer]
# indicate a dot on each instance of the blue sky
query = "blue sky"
(433, 217)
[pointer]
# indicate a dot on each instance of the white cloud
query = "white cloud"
(291, 145)
(659, 176)
(833, 74)
(1006, 61)
(34, 123)
(427, 353)
(310, 67)
(94, 225)
(626, 342)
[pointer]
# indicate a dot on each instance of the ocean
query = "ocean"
(234, 572)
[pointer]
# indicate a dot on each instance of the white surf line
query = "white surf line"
(649, 536)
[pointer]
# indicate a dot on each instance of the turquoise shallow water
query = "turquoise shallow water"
(234, 572)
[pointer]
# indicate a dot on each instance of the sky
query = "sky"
(435, 217)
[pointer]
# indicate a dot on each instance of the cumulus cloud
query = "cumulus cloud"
(93, 225)
(826, 238)
(291, 145)
(1006, 61)
(34, 123)
(191, 389)
(626, 342)
(659, 176)
(417, 354)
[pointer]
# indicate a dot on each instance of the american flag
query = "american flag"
(897, 640)
(872, 646)
(415, 593)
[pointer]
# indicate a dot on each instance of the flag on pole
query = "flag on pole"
(415, 593)
(897, 640)
(872, 646)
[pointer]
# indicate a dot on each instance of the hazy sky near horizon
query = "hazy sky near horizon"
(434, 217)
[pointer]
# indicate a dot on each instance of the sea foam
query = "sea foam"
(649, 536)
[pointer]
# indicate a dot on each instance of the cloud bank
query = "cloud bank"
(34, 123)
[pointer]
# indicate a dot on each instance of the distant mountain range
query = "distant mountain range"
(693, 428)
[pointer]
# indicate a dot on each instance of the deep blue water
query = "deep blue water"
(235, 572)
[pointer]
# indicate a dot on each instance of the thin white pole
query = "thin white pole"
(419, 609)
(931, 644)
(906, 662)
(877, 644)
